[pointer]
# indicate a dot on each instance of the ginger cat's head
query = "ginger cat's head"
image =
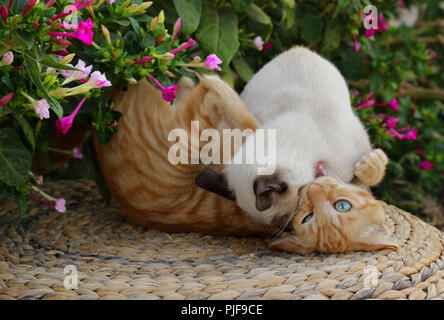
(336, 217)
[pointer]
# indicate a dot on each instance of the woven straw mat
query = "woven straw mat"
(117, 260)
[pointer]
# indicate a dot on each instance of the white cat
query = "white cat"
(305, 98)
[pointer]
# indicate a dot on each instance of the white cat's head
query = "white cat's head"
(267, 193)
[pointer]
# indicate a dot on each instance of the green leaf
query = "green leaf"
(332, 37)
(27, 130)
(22, 202)
(241, 5)
(27, 38)
(34, 72)
(218, 32)
(135, 25)
(242, 68)
(49, 61)
(148, 40)
(189, 12)
(311, 28)
(15, 159)
(258, 15)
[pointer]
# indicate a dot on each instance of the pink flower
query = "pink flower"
(63, 125)
(421, 152)
(66, 73)
(29, 6)
(99, 80)
(382, 24)
(259, 43)
(391, 122)
(401, 3)
(212, 62)
(111, 1)
(77, 153)
(411, 135)
(356, 43)
(176, 29)
(369, 33)
(4, 13)
(393, 104)
(189, 43)
(81, 5)
(142, 60)
(168, 93)
(5, 99)
(426, 165)
(10, 4)
(41, 108)
(78, 75)
(268, 45)
(39, 180)
(365, 103)
(83, 33)
(60, 205)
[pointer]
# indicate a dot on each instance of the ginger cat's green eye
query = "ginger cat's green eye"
(307, 217)
(342, 206)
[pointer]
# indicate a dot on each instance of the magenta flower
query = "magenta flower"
(63, 125)
(111, 1)
(259, 43)
(168, 93)
(393, 104)
(4, 13)
(426, 165)
(142, 60)
(10, 4)
(41, 108)
(411, 135)
(369, 33)
(212, 62)
(176, 29)
(189, 43)
(365, 103)
(5, 99)
(267, 46)
(356, 43)
(81, 5)
(83, 33)
(59, 205)
(391, 122)
(29, 6)
(77, 153)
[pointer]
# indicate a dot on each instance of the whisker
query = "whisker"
(290, 218)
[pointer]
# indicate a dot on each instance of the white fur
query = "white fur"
(306, 99)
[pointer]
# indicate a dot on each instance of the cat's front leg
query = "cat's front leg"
(370, 169)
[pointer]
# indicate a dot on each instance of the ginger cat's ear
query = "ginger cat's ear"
(287, 245)
(375, 237)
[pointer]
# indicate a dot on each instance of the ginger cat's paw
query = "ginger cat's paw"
(371, 168)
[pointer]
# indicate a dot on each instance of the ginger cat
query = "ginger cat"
(333, 217)
(152, 192)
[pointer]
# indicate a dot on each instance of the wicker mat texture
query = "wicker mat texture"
(117, 260)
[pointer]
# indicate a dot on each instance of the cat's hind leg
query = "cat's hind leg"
(370, 169)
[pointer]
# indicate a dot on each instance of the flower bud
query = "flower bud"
(105, 32)
(7, 59)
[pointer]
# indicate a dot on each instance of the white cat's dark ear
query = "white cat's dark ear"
(214, 182)
(376, 237)
(267, 189)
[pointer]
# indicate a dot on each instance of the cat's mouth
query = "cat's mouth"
(285, 222)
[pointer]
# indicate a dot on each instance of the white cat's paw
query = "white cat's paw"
(371, 168)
